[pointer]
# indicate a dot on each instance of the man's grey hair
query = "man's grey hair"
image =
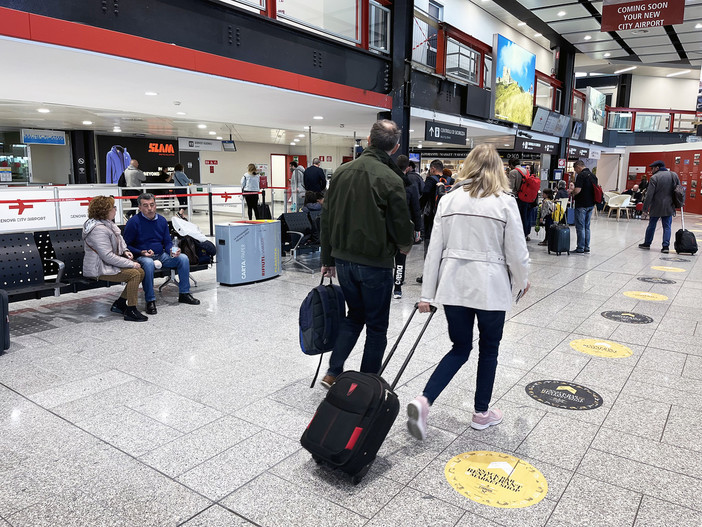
(146, 196)
(384, 134)
(316, 161)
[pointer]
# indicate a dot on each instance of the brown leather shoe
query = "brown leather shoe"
(327, 381)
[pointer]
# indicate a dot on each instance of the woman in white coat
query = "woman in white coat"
(476, 259)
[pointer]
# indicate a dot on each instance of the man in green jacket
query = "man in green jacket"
(365, 221)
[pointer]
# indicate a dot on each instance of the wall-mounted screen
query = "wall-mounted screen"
(540, 118)
(513, 79)
(414, 157)
(228, 146)
(594, 115)
(577, 130)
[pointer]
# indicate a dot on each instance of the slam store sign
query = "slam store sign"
(624, 15)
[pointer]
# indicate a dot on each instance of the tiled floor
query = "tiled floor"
(195, 417)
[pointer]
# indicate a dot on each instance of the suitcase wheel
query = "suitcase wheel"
(358, 476)
(317, 459)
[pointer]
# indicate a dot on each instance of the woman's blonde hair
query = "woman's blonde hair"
(100, 207)
(252, 168)
(483, 167)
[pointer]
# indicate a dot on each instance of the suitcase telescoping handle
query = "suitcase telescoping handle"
(682, 217)
(414, 347)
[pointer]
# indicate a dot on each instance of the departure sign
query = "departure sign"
(445, 133)
(618, 15)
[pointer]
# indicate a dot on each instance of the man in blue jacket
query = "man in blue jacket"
(147, 237)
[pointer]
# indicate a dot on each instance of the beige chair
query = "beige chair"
(619, 203)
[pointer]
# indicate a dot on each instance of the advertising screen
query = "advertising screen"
(577, 130)
(514, 75)
(594, 115)
(540, 118)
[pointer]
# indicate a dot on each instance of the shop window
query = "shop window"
(544, 94)
(340, 18)
(462, 62)
(487, 75)
(436, 14)
(559, 97)
(578, 108)
(379, 28)
(15, 157)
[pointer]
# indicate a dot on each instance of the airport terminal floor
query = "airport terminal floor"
(194, 417)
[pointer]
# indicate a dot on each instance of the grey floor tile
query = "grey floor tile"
(684, 427)
(217, 516)
(225, 472)
(662, 361)
(638, 416)
(558, 440)
(276, 417)
(473, 520)
(82, 388)
(693, 368)
(659, 513)
(589, 502)
(176, 411)
(270, 502)
(412, 508)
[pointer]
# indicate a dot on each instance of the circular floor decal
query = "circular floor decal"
(601, 348)
(645, 295)
(654, 280)
(495, 479)
(625, 316)
(563, 394)
(673, 259)
(669, 269)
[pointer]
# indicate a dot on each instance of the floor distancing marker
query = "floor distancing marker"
(601, 348)
(496, 479)
(644, 295)
(668, 269)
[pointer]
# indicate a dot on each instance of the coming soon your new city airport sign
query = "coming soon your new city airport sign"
(625, 15)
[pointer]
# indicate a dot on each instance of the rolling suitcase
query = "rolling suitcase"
(263, 212)
(685, 241)
(559, 239)
(352, 421)
(4, 321)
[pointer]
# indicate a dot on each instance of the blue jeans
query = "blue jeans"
(582, 226)
(180, 263)
(666, 221)
(367, 291)
(524, 209)
(460, 326)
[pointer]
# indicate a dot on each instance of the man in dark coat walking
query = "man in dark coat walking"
(659, 203)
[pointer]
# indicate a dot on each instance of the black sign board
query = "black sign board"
(441, 154)
(578, 152)
(445, 133)
(627, 317)
(562, 394)
(522, 144)
(674, 259)
(655, 280)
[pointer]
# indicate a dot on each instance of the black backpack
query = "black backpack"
(189, 249)
(320, 317)
(206, 251)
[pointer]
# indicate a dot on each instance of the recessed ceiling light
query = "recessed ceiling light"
(116, 129)
(537, 34)
(607, 55)
(698, 26)
(202, 126)
(301, 135)
(683, 72)
(411, 131)
(150, 93)
(43, 110)
(212, 132)
(439, 144)
(87, 123)
(419, 145)
(297, 140)
(181, 113)
(625, 69)
(307, 128)
(506, 144)
(580, 74)
(587, 37)
(596, 74)
(318, 117)
(293, 144)
(219, 137)
(521, 24)
(561, 13)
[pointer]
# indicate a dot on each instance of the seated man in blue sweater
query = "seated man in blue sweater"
(148, 239)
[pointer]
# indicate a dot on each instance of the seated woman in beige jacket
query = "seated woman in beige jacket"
(477, 260)
(107, 258)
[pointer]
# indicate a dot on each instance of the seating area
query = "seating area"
(300, 235)
(36, 264)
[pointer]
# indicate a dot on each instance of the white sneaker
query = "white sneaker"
(417, 412)
(482, 420)
(397, 293)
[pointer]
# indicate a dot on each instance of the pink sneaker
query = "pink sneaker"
(417, 412)
(482, 420)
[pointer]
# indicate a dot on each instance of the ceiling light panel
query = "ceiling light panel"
(575, 25)
(590, 47)
(533, 4)
(551, 14)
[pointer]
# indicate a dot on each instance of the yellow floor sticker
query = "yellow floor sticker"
(643, 295)
(601, 348)
(668, 269)
(495, 479)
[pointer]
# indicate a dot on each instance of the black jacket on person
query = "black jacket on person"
(413, 202)
(314, 179)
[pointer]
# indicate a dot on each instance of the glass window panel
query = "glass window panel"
(487, 76)
(336, 17)
(544, 94)
(379, 28)
(578, 108)
(462, 61)
(619, 121)
(424, 43)
(259, 4)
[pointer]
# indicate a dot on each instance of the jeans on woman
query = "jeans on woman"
(460, 326)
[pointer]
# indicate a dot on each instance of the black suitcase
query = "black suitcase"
(559, 239)
(4, 321)
(685, 241)
(263, 212)
(352, 421)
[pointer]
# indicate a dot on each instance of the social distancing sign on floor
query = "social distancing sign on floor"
(627, 317)
(645, 295)
(601, 348)
(496, 479)
(564, 394)
(655, 280)
(668, 269)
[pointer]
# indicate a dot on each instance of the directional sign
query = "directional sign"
(445, 133)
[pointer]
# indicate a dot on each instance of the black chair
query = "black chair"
(298, 228)
(23, 270)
